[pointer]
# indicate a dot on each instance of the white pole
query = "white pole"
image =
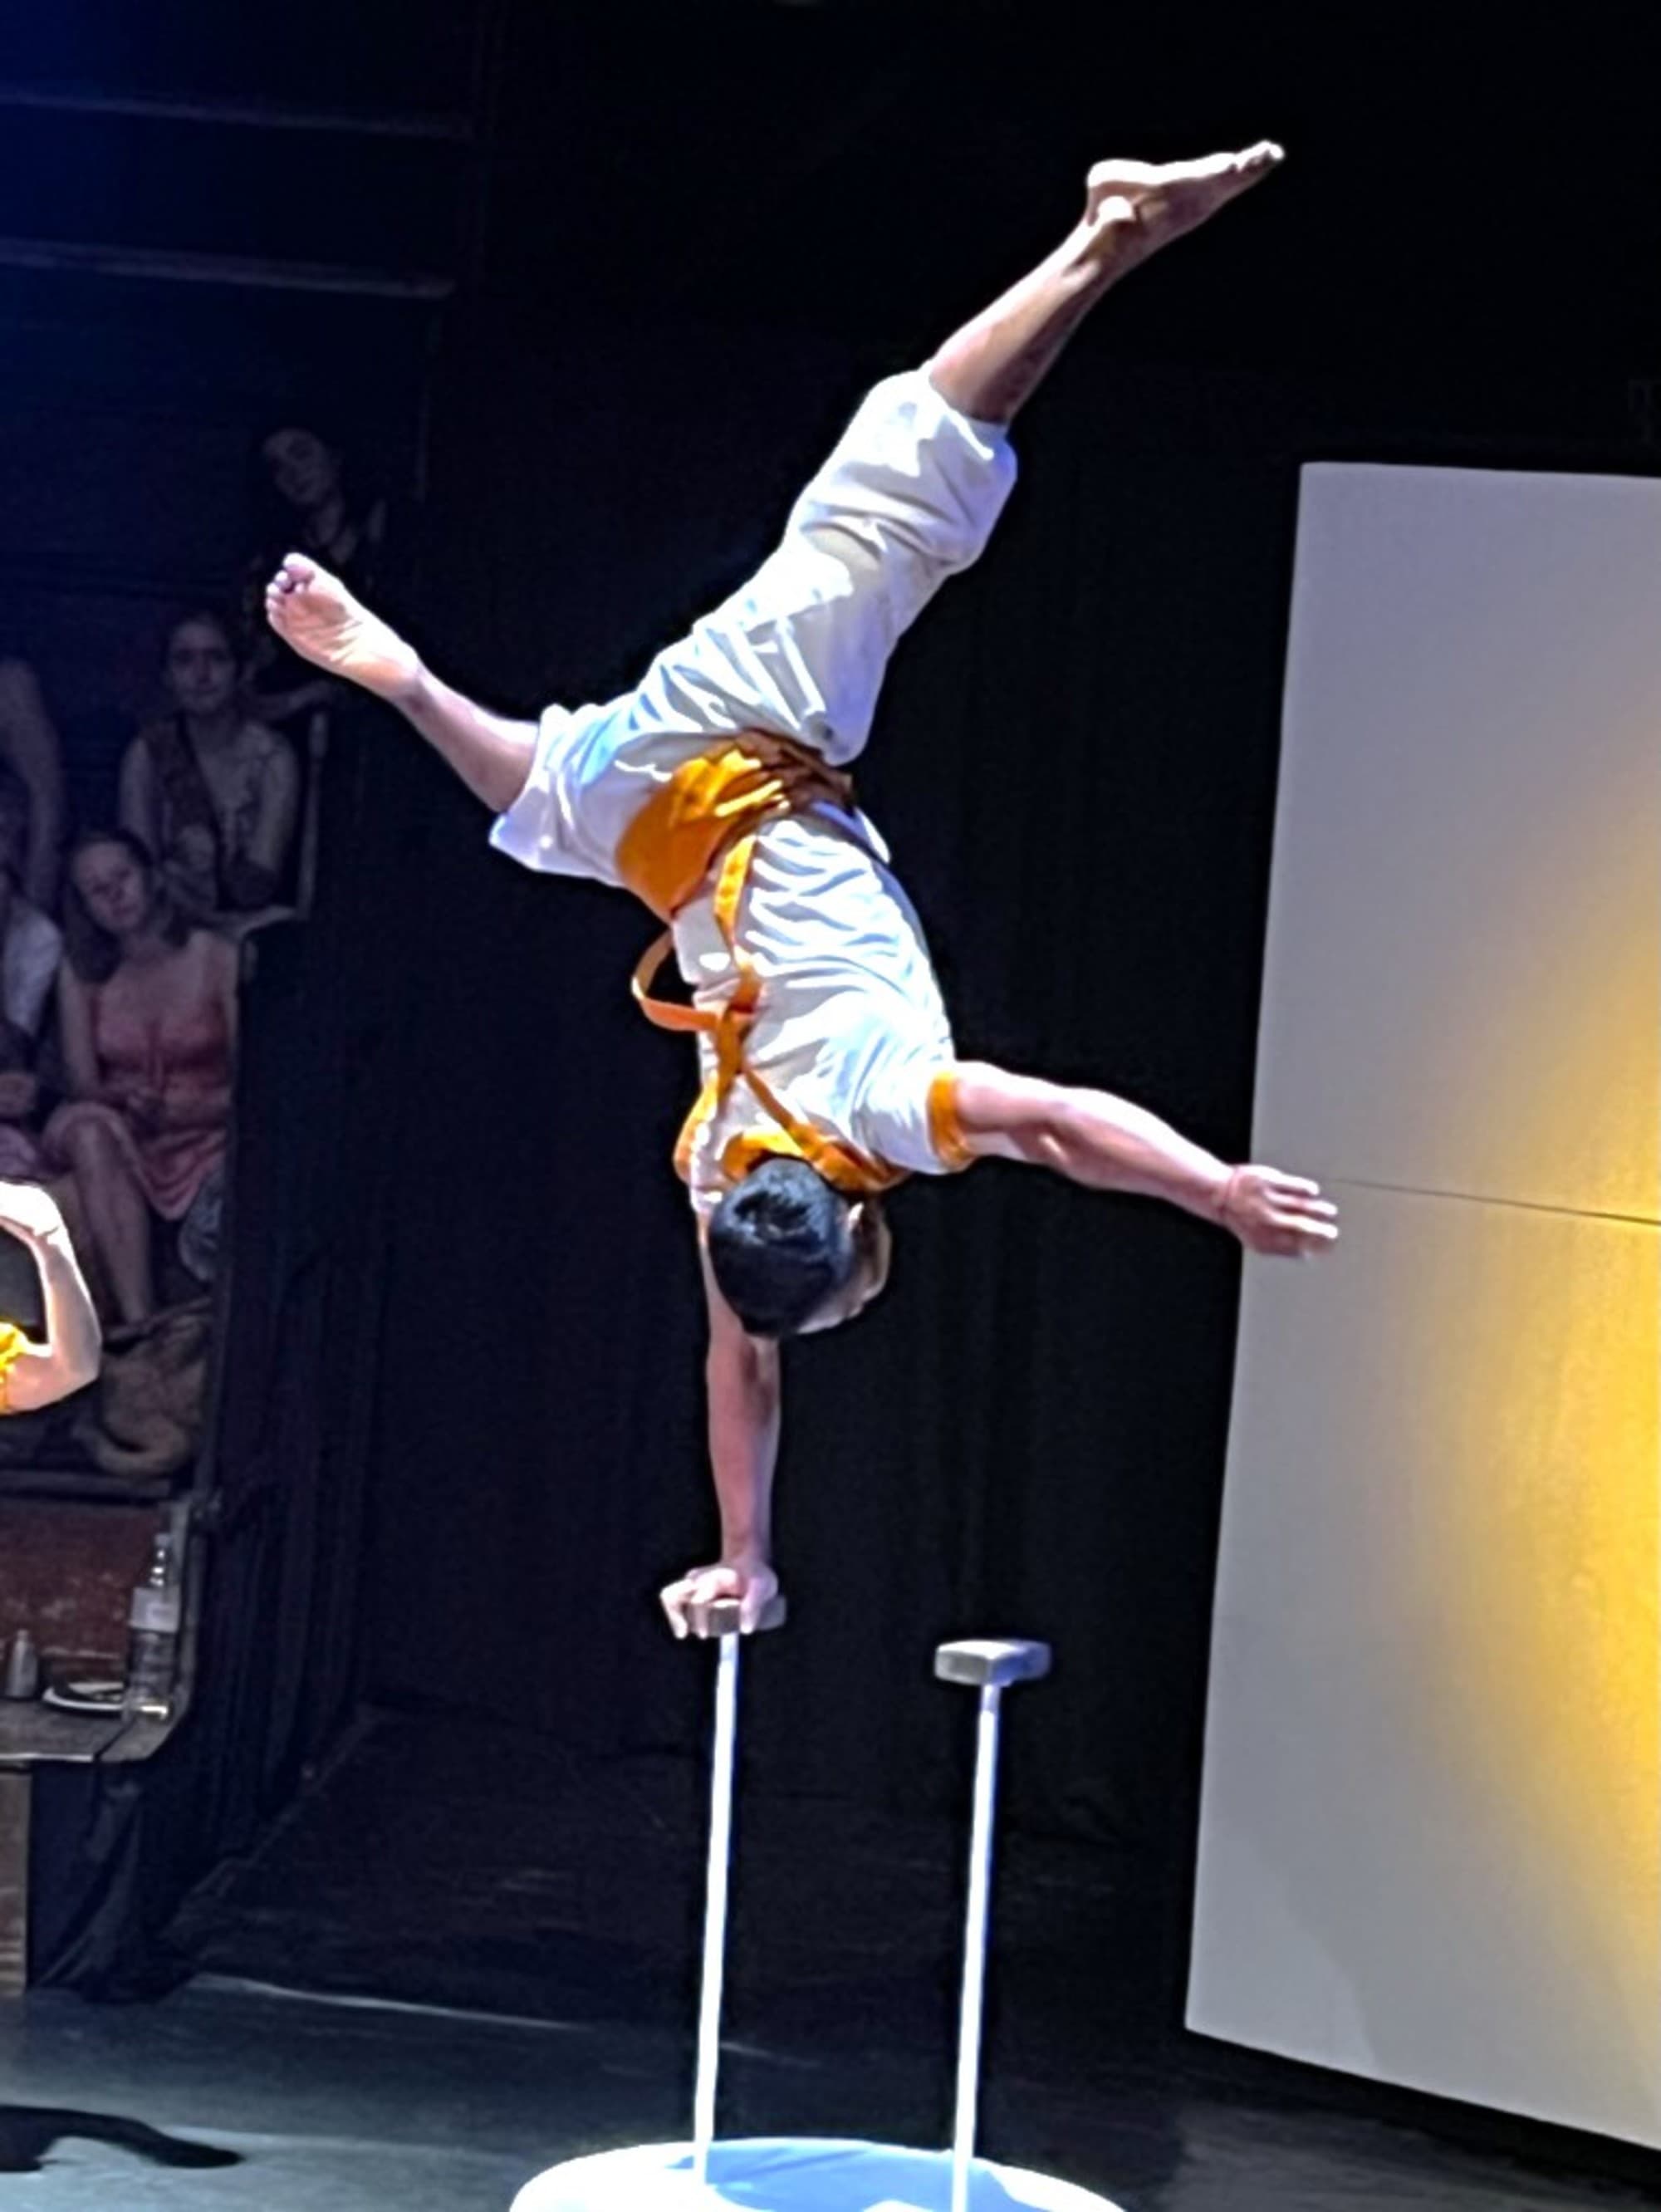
(715, 1905)
(975, 1946)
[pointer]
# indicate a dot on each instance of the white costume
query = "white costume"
(848, 1026)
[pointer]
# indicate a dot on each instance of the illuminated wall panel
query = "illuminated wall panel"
(1464, 949)
(1431, 1843)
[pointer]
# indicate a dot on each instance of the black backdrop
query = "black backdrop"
(468, 1338)
(1075, 764)
(1027, 1438)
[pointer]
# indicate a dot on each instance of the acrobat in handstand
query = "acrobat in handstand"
(719, 791)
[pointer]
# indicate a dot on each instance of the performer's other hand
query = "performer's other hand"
(686, 1603)
(1283, 1215)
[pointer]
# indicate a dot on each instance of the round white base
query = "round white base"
(792, 2173)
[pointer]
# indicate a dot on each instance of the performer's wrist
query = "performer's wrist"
(1222, 1191)
(744, 1550)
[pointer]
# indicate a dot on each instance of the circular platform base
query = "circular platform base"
(792, 2173)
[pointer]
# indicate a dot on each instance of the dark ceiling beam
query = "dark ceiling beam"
(152, 265)
(248, 115)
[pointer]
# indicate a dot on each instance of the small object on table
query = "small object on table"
(23, 1675)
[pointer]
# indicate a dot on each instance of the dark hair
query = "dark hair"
(780, 1244)
(92, 953)
(215, 618)
(360, 479)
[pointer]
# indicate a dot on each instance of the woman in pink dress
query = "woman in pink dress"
(147, 1006)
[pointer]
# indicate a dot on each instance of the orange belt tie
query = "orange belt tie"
(728, 1025)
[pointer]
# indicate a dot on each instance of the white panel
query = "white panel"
(1431, 1833)
(1463, 963)
(1431, 1843)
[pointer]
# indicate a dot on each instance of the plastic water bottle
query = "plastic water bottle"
(153, 1620)
(22, 1671)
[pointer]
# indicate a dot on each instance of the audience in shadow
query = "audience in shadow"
(309, 498)
(211, 790)
(147, 1014)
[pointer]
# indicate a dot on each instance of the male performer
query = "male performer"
(718, 792)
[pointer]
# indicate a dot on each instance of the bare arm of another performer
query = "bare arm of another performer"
(68, 1360)
(1107, 1144)
(742, 1385)
(315, 614)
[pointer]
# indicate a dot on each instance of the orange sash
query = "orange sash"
(709, 812)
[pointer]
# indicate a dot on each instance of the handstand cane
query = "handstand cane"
(719, 1620)
(990, 1666)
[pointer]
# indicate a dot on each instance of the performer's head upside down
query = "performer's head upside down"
(790, 1254)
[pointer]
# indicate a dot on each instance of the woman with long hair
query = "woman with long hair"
(212, 792)
(147, 1005)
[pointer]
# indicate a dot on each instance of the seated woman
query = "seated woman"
(213, 793)
(35, 1375)
(148, 1007)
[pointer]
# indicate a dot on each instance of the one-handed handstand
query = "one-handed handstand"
(718, 792)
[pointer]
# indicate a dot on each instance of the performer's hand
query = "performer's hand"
(686, 1603)
(144, 1109)
(30, 1212)
(1284, 1216)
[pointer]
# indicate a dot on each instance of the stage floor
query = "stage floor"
(338, 2106)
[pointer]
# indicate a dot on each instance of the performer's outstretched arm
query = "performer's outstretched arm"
(742, 1377)
(1106, 1143)
(315, 614)
(69, 1358)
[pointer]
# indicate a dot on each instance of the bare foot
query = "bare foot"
(1148, 204)
(313, 612)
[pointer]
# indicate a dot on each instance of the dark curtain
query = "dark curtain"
(1075, 766)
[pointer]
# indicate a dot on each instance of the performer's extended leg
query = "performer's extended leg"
(993, 364)
(913, 489)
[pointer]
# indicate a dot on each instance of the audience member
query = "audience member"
(309, 499)
(213, 793)
(148, 1004)
(31, 948)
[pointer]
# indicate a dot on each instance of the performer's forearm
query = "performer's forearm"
(1107, 1144)
(1089, 1136)
(744, 1397)
(69, 1358)
(490, 753)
